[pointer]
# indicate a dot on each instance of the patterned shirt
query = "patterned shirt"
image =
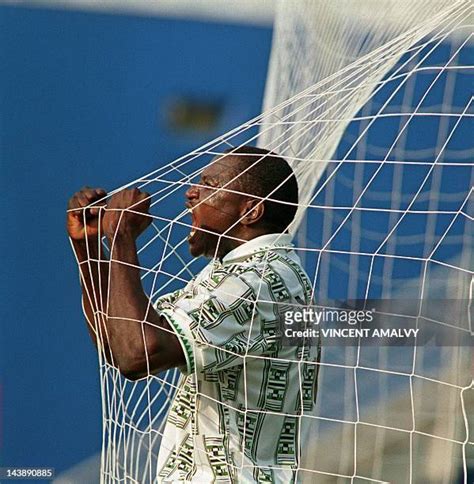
(236, 415)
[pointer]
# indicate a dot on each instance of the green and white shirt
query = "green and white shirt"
(236, 416)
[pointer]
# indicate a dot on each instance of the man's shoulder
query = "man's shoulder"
(273, 271)
(274, 267)
(268, 261)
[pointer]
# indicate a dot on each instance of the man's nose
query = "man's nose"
(192, 192)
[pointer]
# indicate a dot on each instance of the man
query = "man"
(236, 416)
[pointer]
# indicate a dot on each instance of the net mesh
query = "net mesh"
(382, 148)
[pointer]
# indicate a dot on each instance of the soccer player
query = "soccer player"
(236, 416)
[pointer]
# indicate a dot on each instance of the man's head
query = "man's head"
(242, 194)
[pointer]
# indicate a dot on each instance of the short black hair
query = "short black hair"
(267, 174)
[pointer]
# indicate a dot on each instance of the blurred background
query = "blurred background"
(95, 93)
(102, 92)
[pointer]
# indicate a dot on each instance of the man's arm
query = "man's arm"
(94, 274)
(131, 334)
(84, 231)
(142, 342)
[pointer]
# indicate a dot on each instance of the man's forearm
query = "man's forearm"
(94, 273)
(133, 325)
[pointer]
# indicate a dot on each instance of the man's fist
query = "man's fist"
(83, 223)
(127, 214)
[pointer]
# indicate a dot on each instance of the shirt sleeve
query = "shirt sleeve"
(219, 322)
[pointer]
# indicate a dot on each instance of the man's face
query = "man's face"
(214, 210)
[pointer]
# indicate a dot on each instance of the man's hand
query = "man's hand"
(83, 223)
(127, 214)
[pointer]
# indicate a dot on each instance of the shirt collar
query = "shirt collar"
(258, 244)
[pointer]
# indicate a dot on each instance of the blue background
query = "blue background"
(82, 101)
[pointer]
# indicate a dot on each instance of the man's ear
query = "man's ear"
(252, 211)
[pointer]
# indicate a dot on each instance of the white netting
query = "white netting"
(338, 51)
(382, 148)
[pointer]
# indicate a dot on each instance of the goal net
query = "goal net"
(371, 104)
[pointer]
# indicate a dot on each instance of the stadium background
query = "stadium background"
(99, 99)
(91, 98)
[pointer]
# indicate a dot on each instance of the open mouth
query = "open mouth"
(194, 226)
